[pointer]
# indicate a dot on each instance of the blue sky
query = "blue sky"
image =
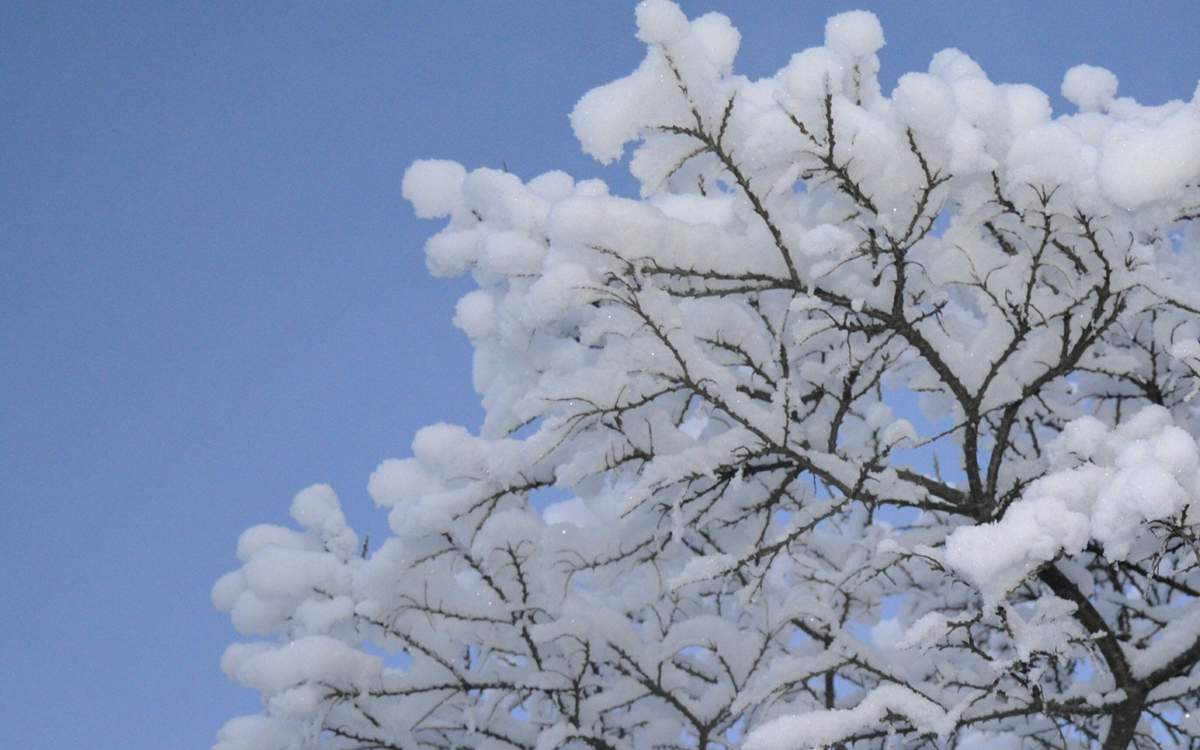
(212, 294)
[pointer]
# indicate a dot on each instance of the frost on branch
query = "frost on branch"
(757, 542)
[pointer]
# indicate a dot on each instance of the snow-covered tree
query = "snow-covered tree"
(870, 423)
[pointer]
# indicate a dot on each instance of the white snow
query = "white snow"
(976, 740)
(702, 569)
(1180, 633)
(809, 74)
(258, 732)
(856, 33)
(669, 362)
(1145, 470)
(924, 102)
(393, 480)
(1089, 88)
(573, 511)
(997, 556)
(433, 186)
(660, 22)
(608, 117)
(822, 728)
(273, 668)
(318, 508)
(1186, 349)
(1143, 162)
(475, 314)
(719, 40)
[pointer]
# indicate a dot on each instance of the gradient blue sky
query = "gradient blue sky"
(212, 294)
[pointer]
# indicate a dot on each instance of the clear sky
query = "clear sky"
(212, 294)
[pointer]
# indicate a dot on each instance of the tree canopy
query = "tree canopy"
(868, 423)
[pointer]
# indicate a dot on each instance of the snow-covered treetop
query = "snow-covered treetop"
(761, 544)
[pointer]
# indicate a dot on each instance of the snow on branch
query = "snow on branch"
(868, 423)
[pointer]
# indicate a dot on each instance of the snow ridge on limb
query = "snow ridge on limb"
(823, 728)
(1112, 486)
(868, 423)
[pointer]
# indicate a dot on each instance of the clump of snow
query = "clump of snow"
(609, 116)
(289, 573)
(1050, 154)
(997, 556)
(257, 732)
(558, 290)
(660, 22)
(433, 187)
(318, 508)
(500, 197)
(1089, 88)
(447, 448)
(553, 185)
(475, 314)
(822, 728)
(856, 33)
(272, 669)
(1145, 470)
(227, 589)
(393, 481)
(809, 74)
(512, 253)
(263, 536)
(1081, 438)
(953, 65)
(924, 102)
(1026, 106)
(719, 39)
(451, 252)
(681, 54)
(1145, 162)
